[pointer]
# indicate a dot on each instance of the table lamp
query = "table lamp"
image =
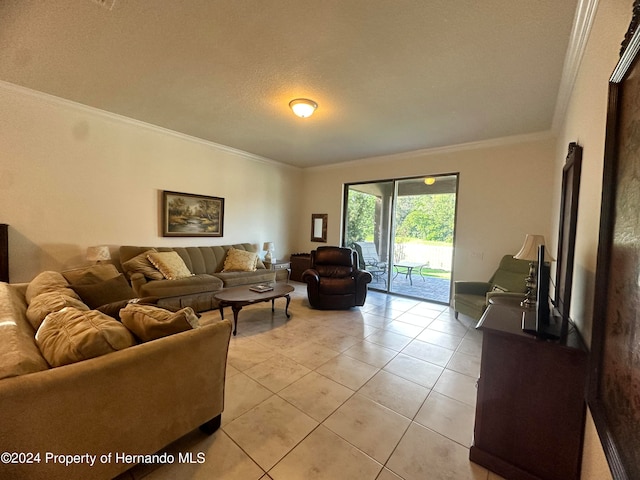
(98, 254)
(529, 251)
(268, 257)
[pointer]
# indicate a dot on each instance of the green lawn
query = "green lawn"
(432, 272)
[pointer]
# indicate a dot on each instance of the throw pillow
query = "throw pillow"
(71, 335)
(170, 265)
(240, 261)
(140, 263)
(48, 302)
(91, 274)
(107, 291)
(148, 322)
(45, 282)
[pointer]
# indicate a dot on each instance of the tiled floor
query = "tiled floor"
(385, 392)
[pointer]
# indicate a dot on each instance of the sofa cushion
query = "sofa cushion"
(170, 265)
(182, 286)
(48, 302)
(46, 282)
(234, 279)
(19, 354)
(91, 274)
(140, 263)
(71, 335)
(148, 322)
(475, 302)
(240, 261)
(107, 291)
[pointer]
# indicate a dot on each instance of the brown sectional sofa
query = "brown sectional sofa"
(197, 291)
(133, 401)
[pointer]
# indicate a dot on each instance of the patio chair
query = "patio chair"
(368, 260)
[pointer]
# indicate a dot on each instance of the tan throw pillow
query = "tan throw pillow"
(45, 282)
(149, 323)
(49, 302)
(91, 274)
(170, 265)
(71, 335)
(140, 263)
(108, 291)
(240, 261)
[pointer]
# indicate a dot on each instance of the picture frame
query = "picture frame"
(191, 215)
(614, 370)
(567, 233)
(319, 227)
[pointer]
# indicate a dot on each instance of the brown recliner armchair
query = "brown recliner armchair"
(334, 281)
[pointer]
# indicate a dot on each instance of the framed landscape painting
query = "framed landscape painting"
(189, 215)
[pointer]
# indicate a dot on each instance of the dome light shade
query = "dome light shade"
(429, 180)
(303, 107)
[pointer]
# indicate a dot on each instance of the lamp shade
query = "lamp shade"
(529, 250)
(98, 253)
(268, 246)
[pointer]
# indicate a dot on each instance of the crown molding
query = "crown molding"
(582, 23)
(79, 107)
(491, 143)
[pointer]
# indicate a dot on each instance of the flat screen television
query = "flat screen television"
(546, 325)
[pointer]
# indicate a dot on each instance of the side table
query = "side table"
(280, 265)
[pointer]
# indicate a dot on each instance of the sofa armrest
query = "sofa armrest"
(513, 295)
(136, 400)
(137, 280)
(471, 288)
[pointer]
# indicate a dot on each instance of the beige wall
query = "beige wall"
(504, 193)
(585, 123)
(71, 177)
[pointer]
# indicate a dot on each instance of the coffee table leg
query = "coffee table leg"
(236, 310)
(273, 307)
(286, 308)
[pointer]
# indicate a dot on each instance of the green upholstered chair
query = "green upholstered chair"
(472, 298)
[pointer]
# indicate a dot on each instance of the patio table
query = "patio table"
(407, 268)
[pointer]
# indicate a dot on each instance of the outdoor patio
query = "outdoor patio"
(424, 287)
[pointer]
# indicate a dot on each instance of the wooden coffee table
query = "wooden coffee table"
(238, 297)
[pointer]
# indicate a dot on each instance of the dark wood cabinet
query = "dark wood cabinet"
(4, 252)
(530, 408)
(299, 263)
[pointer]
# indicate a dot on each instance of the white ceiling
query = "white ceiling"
(389, 76)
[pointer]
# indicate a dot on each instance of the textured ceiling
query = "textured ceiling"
(389, 76)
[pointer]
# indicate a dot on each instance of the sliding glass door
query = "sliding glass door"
(403, 231)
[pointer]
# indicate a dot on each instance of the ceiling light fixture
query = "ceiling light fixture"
(429, 180)
(303, 107)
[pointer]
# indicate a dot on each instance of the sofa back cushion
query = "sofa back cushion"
(510, 275)
(199, 260)
(19, 354)
(91, 274)
(71, 335)
(336, 262)
(107, 291)
(47, 281)
(45, 303)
